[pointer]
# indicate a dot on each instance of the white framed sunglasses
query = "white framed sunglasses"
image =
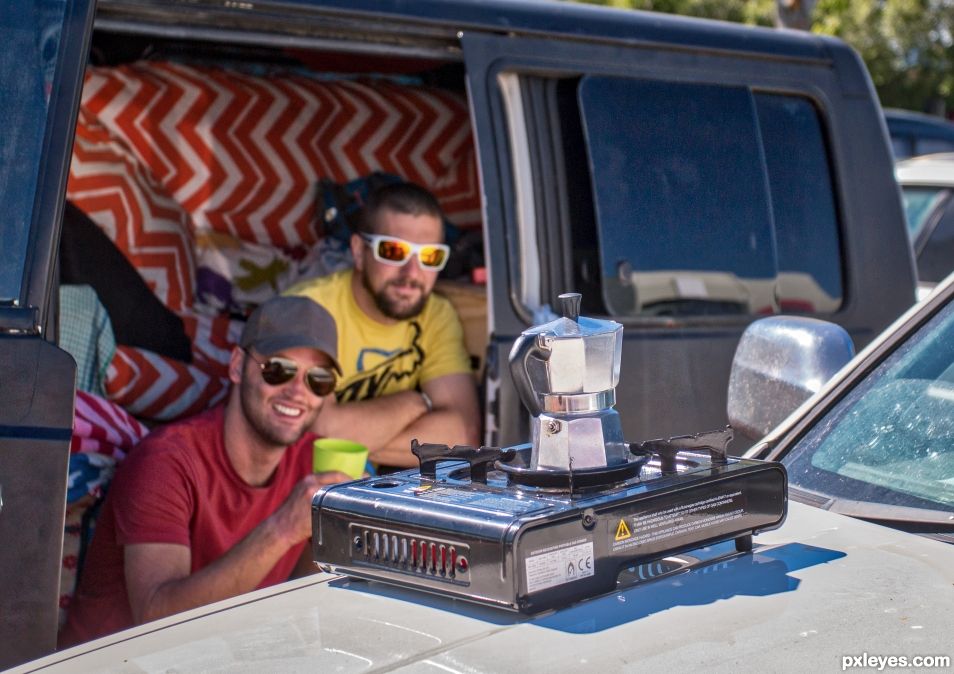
(396, 252)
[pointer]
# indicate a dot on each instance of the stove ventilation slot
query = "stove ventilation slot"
(420, 555)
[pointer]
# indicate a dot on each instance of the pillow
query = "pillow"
(154, 387)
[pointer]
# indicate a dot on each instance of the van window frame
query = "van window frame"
(490, 58)
(28, 307)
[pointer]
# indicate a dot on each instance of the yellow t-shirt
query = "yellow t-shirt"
(379, 359)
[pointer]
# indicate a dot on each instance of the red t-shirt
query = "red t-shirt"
(177, 486)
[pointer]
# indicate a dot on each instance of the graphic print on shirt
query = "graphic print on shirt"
(380, 371)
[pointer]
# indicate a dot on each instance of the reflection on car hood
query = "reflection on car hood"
(821, 587)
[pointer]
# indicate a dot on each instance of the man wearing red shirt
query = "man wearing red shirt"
(219, 504)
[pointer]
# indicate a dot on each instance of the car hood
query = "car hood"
(819, 588)
(933, 170)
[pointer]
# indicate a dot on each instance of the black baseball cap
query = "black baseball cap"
(287, 322)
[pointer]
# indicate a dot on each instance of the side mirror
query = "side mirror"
(780, 362)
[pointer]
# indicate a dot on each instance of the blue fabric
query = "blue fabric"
(89, 473)
(340, 205)
(86, 334)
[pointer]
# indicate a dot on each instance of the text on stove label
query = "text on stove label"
(557, 565)
(658, 525)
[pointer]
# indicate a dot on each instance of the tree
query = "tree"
(753, 12)
(907, 45)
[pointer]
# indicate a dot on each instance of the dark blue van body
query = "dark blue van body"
(685, 176)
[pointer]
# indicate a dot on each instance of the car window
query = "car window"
(932, 145)
(705, 199)
(936, 255)
(901, 146)
(30, 32)
(891, 439)
(919, 203)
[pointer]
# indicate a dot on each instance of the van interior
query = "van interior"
(208, 176)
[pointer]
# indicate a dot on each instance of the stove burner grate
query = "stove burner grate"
(669, 451)
(573, 480)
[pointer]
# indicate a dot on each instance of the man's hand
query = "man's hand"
(292, 520)
(158, 580)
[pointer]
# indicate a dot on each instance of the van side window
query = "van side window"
(688, 199)
(803, 205)
(679, 195)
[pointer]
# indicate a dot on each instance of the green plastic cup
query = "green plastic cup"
(336, 454)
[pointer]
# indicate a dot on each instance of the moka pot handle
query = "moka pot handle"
(527, 346)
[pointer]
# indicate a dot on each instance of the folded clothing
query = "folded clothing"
(103, 433)
(85, 332)
(236, 276)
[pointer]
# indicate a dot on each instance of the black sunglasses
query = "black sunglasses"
(277, 371)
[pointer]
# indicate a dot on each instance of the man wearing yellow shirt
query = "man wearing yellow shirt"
(406, 373)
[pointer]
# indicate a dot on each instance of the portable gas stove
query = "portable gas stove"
(479, 524)
(545, 524)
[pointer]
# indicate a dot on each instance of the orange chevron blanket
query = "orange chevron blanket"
(165, 152)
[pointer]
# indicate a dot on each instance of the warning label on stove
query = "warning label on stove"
(559, 564)
(677, 520)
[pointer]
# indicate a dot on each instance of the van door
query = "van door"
(684, 192)
(42, 56)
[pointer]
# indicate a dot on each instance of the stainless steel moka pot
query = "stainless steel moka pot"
(566, 372)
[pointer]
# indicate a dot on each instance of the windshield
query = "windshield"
(30, 32)
(919, 203)
(891, 439)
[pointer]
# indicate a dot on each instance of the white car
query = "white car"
(927, 183)
(823, 592)
(819, 592)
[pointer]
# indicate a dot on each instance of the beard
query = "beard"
(254, 408)
(395, 309)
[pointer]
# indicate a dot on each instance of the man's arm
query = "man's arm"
(306, 564)
(386, 425)
(455, 420)
(158, 579)
(372, 422)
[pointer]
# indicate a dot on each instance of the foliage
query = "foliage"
(755, 12)
(908, 45)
